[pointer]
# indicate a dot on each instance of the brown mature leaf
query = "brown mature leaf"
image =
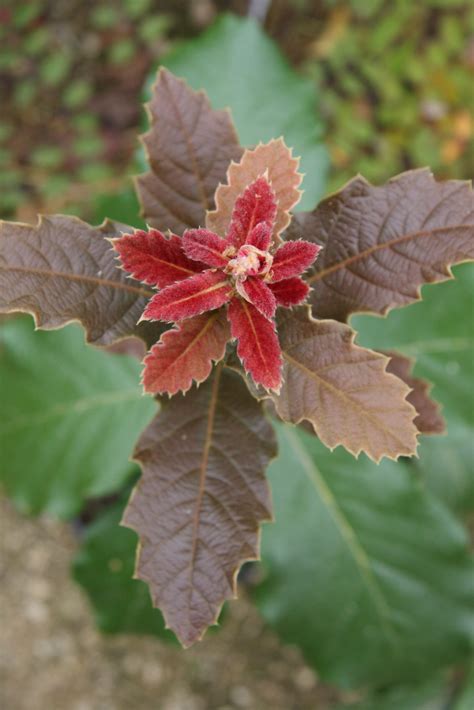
(342, 389)
(201, 499)
(382, 243)
(276, 159)
(429, 419)
(64, 270)
(189, 147)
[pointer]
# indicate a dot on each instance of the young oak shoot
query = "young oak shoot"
(234, 273)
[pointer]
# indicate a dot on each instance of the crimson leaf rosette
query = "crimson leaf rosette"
(241, 276)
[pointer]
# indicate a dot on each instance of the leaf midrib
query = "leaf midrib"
(345, 397)
(81, 278)
(202, 477)
(349, 536)
(377, 247)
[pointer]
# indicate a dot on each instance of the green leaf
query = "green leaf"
(71, 417)
(435, 331)
(367, 572)
(466, 700)
(432, 694)
(121, 206)
(104, 568)
(241, 68)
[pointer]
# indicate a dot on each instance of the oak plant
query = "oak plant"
(243, 307)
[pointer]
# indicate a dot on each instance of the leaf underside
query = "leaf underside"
(189, 147)
(273, 158)
(201, 499)
(343, 390)
(381, 244)
(429, 419)
(63, 270)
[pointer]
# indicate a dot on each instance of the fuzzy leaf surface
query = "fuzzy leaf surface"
(429, 419)
(290, 292)
(273, 158)
(383, 591)
(70, 417)
(434, 333)
(382, 243)
(186, 353)
(189, 147)
(255, 206)
(343, 390)
(204, 245)
(155, 259)
(64, 270)
(197, 294)
(240, 67)
(201, 499)
(257, 343)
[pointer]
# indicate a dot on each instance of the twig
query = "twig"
(258, 9)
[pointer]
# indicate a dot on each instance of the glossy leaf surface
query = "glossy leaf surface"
(70, 418)
(383, 591)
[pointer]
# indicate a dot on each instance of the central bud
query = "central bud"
(249, 261)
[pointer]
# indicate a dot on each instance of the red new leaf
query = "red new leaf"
(195, 295)
(273, 159)
(293, 258)
(204, 245)
(258, 346)
(261, 236)
(186, 353)
(257, 292)
(256, 204)
(290, 292)
(152, 258)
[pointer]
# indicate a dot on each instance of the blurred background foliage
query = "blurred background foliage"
(393, 77)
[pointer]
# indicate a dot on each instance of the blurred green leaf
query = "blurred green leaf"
(77, 92)
(121, 206)
(104, 567)
(85, 123)
(367, 572)
(136, 8)
(437, 331)
(36, 41)
(104, 17)
(433, 694)
(88, 147)
(122, 51)
(93, 172)
(47, 156)
(25, 13)
(241, 68)
(70, 417)
(154, 28)
(54, 68)
(25, 92)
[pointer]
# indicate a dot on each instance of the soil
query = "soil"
(53, 658)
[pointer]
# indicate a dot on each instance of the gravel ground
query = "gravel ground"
(53, 658)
